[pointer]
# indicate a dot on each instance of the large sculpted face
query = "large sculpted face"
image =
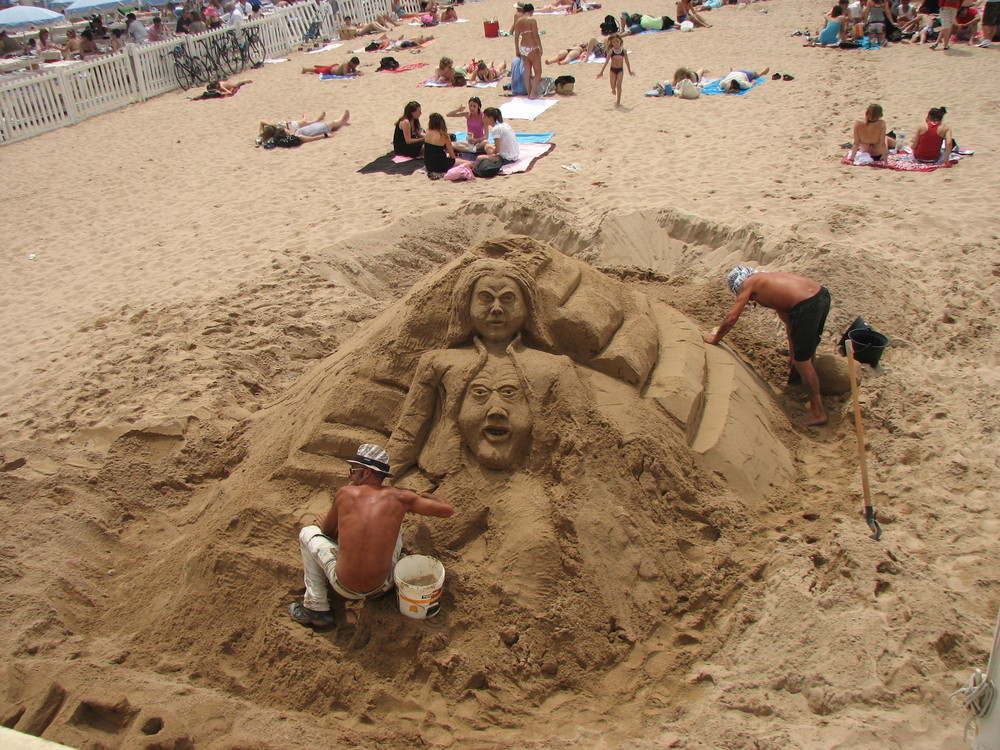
(494, 419)
(498, 309)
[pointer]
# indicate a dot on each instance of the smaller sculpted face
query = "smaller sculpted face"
(498, 310)
(494, 419)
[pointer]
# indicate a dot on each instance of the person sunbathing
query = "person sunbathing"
(571, 54)
(448, 14)
(740, 80)
(368, 28)
(636, 23)
(869, 135)
(219, 89)
(349, 68)
(306, 131)
(485, 74)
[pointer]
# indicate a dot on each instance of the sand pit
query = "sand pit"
(202, 327)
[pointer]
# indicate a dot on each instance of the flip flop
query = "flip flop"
(776, 76)
(787, 77)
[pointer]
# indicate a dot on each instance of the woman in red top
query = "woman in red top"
(930, 136)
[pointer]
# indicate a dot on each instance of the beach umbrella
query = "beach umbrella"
(21, 16)
(83, 7)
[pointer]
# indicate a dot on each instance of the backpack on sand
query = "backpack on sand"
(487, 168)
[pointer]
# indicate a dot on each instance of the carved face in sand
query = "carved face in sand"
(497, 309)
(494, 419)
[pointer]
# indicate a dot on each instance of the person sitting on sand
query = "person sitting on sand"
(448, 14)
(408, 136)
(505, 147)
(834, 31)
(695, 76)
(484, 74)
(869, 135)
(933, 140)
(580, 51)
(355, 546)
(305, 132)
(740, 80)
(686, 12)
(87, 44)
(439, 152)
(475, 126)
(802, 305)
(966, 24)
(349, 68)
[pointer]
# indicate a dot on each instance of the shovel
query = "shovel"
(866, 491)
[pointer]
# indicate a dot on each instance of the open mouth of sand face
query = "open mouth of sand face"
(496, 433)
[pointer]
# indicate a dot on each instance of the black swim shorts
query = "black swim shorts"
(806, 321)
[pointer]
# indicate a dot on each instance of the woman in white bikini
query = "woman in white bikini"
(528, 44)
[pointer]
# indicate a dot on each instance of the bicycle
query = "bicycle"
(251, 51)
(187, 69)
(218, 57)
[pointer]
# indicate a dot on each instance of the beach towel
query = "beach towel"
(392, 164)
(403, 68)
(523, 108)
(332, 77)
(275, 60)
(904, 163)
(433, 83)
(712, 87)
(530, 153)
(484, 85)
(461, 135)
(325, 48)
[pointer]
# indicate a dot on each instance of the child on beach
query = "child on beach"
(446, 71)
(618, 57)
(485, 74)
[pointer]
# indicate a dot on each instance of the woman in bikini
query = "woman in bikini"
(528, 46)
(572, 54)
(408, 136)
(869, 134)
(618, 57)
(475, 127)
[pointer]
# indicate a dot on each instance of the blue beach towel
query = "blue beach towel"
(713, 88)
(521, 137)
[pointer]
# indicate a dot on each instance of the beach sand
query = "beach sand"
(170, 292)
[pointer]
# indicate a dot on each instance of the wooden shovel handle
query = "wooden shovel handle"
(859, 427)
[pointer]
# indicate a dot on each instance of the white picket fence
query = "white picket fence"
(35, 103)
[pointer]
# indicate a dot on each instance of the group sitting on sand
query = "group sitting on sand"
(849, 23)
(933, 141)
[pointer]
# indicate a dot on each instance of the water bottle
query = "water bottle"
(900, 141)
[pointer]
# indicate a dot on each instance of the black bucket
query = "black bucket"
(868, 344)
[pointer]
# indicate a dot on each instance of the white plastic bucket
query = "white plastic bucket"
(419, 582)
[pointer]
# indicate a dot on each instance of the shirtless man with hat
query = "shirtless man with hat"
(802, 305)
(356, 545)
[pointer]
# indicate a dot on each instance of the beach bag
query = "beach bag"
(487, 168)
(459, 172)
(610, 26)
(564, 85)
(546, 86)
(388, 63)
(686, 90)
(286, 140)
(517, 87)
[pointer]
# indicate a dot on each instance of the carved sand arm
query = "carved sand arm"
(416, 415)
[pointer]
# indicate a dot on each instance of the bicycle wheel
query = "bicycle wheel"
(235, 53)
(202, 73)
(256, 52)
(184, 74)
(231, 64)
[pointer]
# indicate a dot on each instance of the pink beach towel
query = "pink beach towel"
(901, 163)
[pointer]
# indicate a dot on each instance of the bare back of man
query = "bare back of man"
(365, 520)
(802, 305)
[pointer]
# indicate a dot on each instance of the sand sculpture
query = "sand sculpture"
(576, 340)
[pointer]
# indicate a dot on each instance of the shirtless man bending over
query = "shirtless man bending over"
(802, 305)
(528, 46)
(365, 520)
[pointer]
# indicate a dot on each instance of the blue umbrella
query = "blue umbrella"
(83, 7)
(21, 16)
